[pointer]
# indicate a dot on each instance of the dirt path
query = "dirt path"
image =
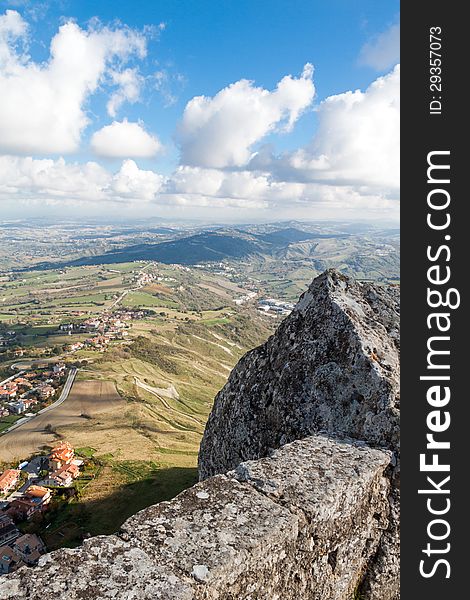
(169, 394)
(224, 348)
(86, 397)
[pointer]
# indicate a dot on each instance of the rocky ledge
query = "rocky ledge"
(332, 366)
(302, 523)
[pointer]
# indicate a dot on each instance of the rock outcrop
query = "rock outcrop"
(302, 523)
(332, 366)
(299, 466)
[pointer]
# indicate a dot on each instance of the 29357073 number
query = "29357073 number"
(435, 60)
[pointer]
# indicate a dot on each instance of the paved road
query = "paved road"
(119, 299)
(125, 292)
(65, 392)
(12, 377)
(63, 396)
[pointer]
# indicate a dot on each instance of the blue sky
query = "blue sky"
(182, 49)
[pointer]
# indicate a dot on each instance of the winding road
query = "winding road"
(63, 396)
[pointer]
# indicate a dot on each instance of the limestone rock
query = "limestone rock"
(338, 491)
(301, 523)
(332, 366)
(103, 567)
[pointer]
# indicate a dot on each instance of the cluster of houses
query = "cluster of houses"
(7, 338)
(16, 549)
(217, 268)
(106, 327)
(27, 492)
(273, 306)
(23, 392)
(143, 278)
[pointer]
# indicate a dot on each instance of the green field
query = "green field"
(6, 422)
(167, 370)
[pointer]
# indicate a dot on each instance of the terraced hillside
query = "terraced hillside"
(140, 403)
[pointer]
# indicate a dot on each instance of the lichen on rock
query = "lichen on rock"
(332, 366)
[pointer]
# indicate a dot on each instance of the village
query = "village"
(29, 391)
(103, 329)
(25, 495)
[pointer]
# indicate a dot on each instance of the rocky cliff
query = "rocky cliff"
(299, 467)
(332, 366)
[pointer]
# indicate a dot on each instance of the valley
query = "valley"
(154, 330)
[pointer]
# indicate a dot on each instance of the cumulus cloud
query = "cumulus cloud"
(216, 183)
(383, 51)
(200, 187)
(351, 164)
(220, 131)
(55, 181)
(26, 178)
(42, 104)
(134, 183)
(124, 139)
(356, 143)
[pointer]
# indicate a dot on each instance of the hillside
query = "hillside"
(140, 403)
(208, 246)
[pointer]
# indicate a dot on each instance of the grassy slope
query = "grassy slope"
(148, 451)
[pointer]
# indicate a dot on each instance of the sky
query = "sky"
(218, 110)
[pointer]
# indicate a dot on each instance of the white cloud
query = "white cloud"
(198, 188)
(12, 29)
(216, 183)
(351, 167)
(129, 83)
(25, 178)
(192, 188)
(42, 104)
(220, 131)
(124, 139)
(357, 142)
(31, 179)
(130, 182)
(194, 180)
(168, 85)
(383, 51)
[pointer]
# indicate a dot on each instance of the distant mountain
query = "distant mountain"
(203, 247)
(217, 245)
(284, 237)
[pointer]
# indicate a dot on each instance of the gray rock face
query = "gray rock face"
(301, 523)
(341, 501)
(332, 366)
